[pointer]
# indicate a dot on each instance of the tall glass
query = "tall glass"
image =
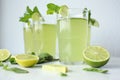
(28, 38)
(72, 37)
(49, 33)
(40, 37)
(89, 35)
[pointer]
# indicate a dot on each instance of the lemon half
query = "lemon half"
(26, 60)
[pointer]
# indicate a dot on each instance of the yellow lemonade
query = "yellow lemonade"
(28, 39)
(45, 39)
(40, 38)
(72, 39)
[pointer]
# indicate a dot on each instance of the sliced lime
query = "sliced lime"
(4, 54)
(96, 56)
(63, 11)
(36, 16)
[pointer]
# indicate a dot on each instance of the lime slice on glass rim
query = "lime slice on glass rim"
(63, 11)
(96, 56)
(26, 60)
(36, 16)
(4, 54)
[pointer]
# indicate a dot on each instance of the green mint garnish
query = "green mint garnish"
(52, 8)
(85, 12)
(95, 70)
(33, 53)
(45, 57)
(1, 64)
(29, 10)
(63, 74)
(14, 69)
(18, 70)
(25, 18)
(12, 60)
(89, 17)
(28, 14)
(91, 21)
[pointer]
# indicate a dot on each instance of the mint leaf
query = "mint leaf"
(14, 69)
(5, 67)
(85, 12)
(28, 14)
(1, 64)
(95, 70)
(50, 11)
(52, 8)
(18, 70)
(25, 18)
(89, 17)
(29, 10)
(35, 10)
(12, 61)
(91, 21)
(63, 74)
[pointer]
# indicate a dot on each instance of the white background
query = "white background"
(107, 12)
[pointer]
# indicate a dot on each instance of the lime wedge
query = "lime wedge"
(96, 56)
(4, 54)
(63, 11)
(36, 16)
(26, 60)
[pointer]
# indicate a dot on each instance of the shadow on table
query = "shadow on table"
(113, 63)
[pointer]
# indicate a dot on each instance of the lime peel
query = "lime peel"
(96, 56)
(4, 54)
(63, 11)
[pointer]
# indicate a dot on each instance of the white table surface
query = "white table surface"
(76, 73)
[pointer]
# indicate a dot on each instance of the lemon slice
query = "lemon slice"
(26, 60)
(63, 11)
(96, 56)
(4, 54)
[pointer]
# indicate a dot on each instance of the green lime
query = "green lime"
(96, 56)
(4, 54)
(26, 60)
(63, 11)
(36, 16)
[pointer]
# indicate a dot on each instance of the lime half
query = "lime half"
(63, 11)
(26, 60)
(96, 56)
(4, 54)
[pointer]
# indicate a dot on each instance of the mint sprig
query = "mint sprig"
(63, 74)
(52, 8)
(85, 10)
(1, 64)
(95, 70)
(28, 14)
(91, 21)
(14, 69)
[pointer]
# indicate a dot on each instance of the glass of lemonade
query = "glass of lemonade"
(40, 37)
(72, 37)
(45, 39)
(28, 38)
